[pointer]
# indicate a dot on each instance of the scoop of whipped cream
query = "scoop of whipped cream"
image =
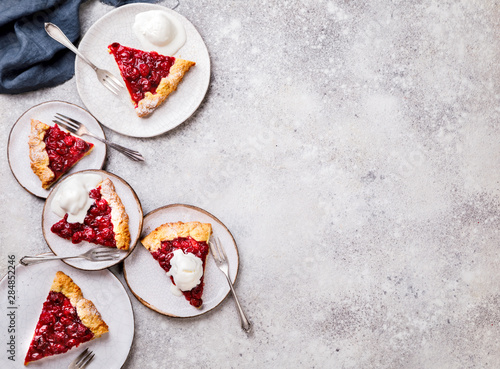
(157, 30)
(186, 270)
(72, 196)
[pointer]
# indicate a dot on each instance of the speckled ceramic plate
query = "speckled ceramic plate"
(32, 285)
(61, 246)
(117, 112)
(18, 150)
(151, 285)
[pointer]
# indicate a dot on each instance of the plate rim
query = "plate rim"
(112, 274)
(141, 219)
(23, 114)
(154, 308)
(152, 6)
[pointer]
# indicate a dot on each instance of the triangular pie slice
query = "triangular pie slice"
(106, 222)
(66, 321)
(53, 152)
(190, 238)
(150, 77)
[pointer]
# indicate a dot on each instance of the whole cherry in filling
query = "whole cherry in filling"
(59, 328)
(141, 70)
(187, 245)
(64, 150)
(96, 228)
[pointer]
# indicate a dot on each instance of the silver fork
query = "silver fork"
(105, 77)
(79, 129)
(220, 258)
(98, 254)
(82, 360)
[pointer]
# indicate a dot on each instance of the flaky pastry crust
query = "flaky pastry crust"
(39, 159)
(167, 85)
(169, 231)
(85, 309)
(119, 216)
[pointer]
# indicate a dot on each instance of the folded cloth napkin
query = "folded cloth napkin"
(29, 58)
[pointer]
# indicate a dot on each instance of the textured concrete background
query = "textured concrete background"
(352, 148)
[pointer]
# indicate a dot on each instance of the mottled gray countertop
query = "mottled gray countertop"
(352, 148)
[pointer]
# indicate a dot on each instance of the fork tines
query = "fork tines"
(103, 254)
(83, 359)
(217, 250)
(112, 83)
(66, 118)
(66, 122)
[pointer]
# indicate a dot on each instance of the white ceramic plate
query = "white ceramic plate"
(63, 247)
(32, 285)
(117, 112)
(18, 150)
(149, 282)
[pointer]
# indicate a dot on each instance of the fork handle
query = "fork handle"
(58, 35)
(28, 260)
(131, 154)
(245, 324)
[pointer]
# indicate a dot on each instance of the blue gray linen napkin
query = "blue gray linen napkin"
(29, 58)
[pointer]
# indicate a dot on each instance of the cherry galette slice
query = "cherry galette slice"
(54, 152)
(106, 222)
(66, 321)
(150, 77)
(186, 242)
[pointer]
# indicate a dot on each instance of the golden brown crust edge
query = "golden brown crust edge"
(91, 318)
(169, 231)
(119, 216)
(87, 312)
(39, 159)
(167, 85)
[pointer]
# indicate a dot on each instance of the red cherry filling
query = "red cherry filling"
(142, 71)
(96, 228)
(59, 329)
(187, 245)
(64, 150)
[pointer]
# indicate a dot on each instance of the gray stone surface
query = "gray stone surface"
(352, 148)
